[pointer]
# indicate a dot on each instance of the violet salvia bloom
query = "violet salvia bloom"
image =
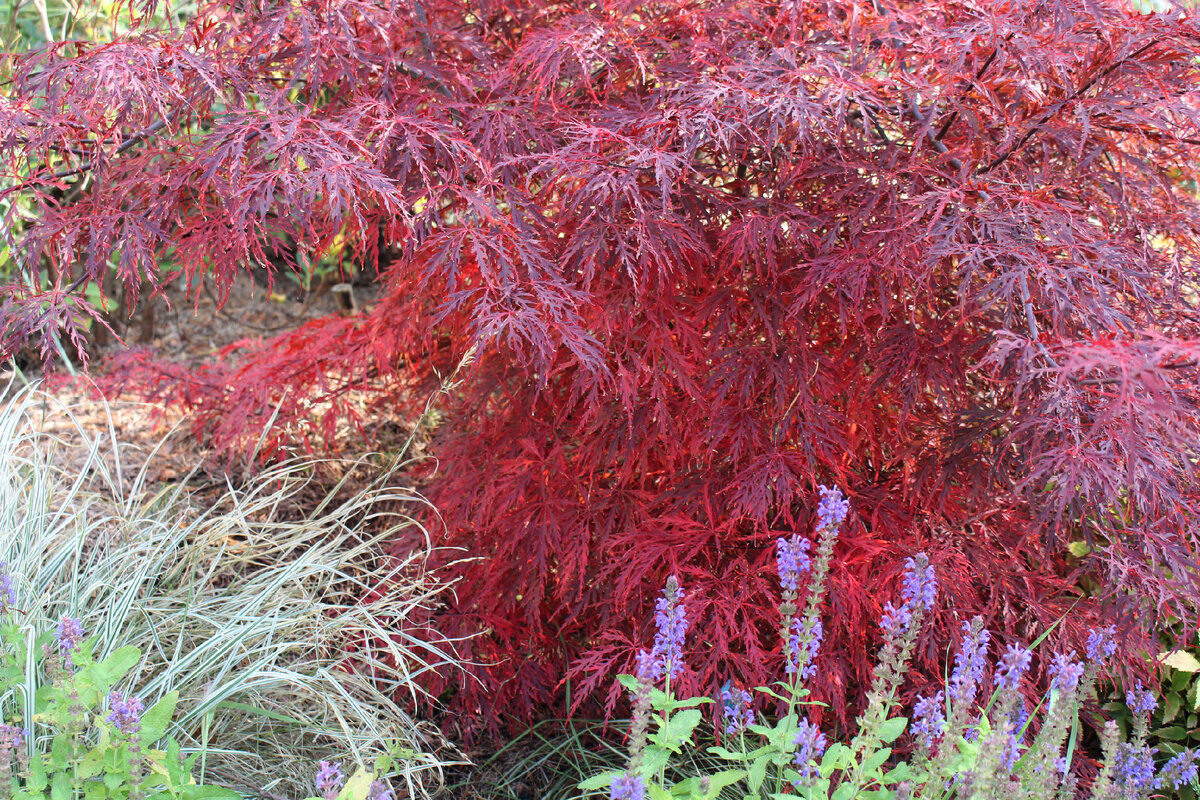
(1179, 771)
(1135, 767)
(832, 509)
(895, 620)
(649, 667)
(929, 719)
(1012, 667)
(969, 664)
(329, 780)
(12, 737)
(1100, 644)
(671, 619)
(8, 593)
(735, 709)
(627, 787)
(810, 746)
(920, 585)
(1140, 700)
(803, 650)
(68, 635)
(125, 713)
(1065, 672)
(791, 559)
(380, 790)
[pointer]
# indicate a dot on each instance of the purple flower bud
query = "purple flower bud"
(791, 559)
(969, 664)
(1065, 672)
(735, 709)
(920, 583)
(125, 713)
(329, 780)
(810, 746)
(1012, 667)
(929, 719)
(832, 508)
(8, 594)
(627, 787)
(1100, 644)
(1140, 700)
(380, 790)
(68, 635)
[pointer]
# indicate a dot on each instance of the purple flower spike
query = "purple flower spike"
(1135, 767)
(125, 713)
(929, 719)
(666, 657)
(810, 746)
(1013, 665)
(671, 619)
(380, 790)
(920, 585)
(895, 620)
(1179, 771)
(799, 651)
(791, 560)
(8, 594)
(329, 780)
(68, 635)
(832, 509)
(1140, 700)
(12, 737)
(1065, 672)
(735, 709)
(1100, 645)
(628, 787)
(969, 664)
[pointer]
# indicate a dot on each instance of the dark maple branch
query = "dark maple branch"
(941, 134)
(1049, 115)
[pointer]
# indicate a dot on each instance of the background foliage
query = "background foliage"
(697, 256)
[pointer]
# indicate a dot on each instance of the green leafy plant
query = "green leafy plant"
(63, 745)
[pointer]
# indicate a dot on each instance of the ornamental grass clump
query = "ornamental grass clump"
(958, 745)
(255, 619)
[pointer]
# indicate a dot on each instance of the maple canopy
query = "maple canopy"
(694, 258)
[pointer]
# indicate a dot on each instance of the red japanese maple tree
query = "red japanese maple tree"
(690, 258)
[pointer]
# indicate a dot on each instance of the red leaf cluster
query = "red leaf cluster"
(699, 256)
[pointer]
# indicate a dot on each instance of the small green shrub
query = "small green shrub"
(64, 746)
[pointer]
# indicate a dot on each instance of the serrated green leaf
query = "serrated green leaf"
(156, 720)
(601, 781)
(654, 760)
(756, 774)
(874, 761)
(112, 669)
(718, 781)
(892, 728)
(680, 726)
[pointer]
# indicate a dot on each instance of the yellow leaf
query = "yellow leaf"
(1181, 660)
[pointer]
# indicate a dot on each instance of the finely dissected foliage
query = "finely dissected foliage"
(248, 616)
(704, 255)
